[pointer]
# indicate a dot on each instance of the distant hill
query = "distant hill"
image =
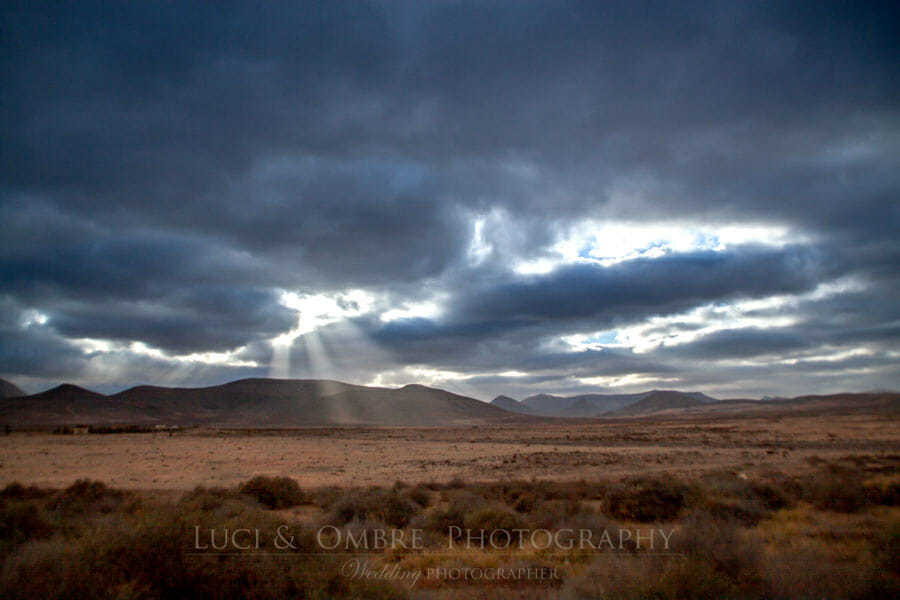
(511, 404)
(252, 403)
(9, 390)
(273, 403)
(701, 397)
(808, 405)
(657, 401)
(585, 405)
(679, 404)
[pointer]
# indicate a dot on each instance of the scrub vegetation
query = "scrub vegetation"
(832, 533)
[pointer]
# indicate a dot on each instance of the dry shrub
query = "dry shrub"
(325, 497)
(85, 496)
(385, 506)
(883, 491)
(440, 518)
(273, 492)
(547, 514)
(810, 571)
(207, 499)
(148, 554)
(747, 512)
(729, 497)
(457, 483)
(620, 576)
(419, 495)
(888, 550)
(518, 494)
(21, 521)
(525, 502)
(836, 489)
(721, 544)
(716, 561)
(17, 491)
(646, 500)
(694, 578)
(494, 516)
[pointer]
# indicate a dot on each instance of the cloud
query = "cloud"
(527, 172)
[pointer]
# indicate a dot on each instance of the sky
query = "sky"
(487, 197)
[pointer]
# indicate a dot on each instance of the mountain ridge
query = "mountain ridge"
(584, 405)
(280, 403)
(10, 390)
(253, 402)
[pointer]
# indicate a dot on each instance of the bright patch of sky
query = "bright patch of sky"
(93, 346)
(833, 357)
(412, 310)
(317, 310)
(609, 243)
(684, 328)
(630, 379)
(480, 248)
(33, 317)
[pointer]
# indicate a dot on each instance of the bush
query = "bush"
(147, 559)
(440, 518)
(525, 502)
(87, 496)
(17, 491)
(273, 492)
(386, 506)
(145, 554)
(885, 493)
(394, 509)
(836, 490)
(548, 513)
(887, 551)
(646, 500)
(746, 511)
(493, 517)
(718, 561)
(419, 495)
(720, 543)
(20, 522)
(325, 497)
(769, 495)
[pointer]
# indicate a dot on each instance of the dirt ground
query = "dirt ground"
(368, 456)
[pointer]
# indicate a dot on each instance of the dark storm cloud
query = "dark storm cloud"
(190, 320)
(848, 319)
(28, 349)
(592, 297)
(167, 169)
(732, 343)
(644, 287)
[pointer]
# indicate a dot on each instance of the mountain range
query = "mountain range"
(283, 403)
(595, 405)
(252, 403)
(9, 390)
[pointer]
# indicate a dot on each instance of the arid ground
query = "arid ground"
(356, 456)
(793, 505)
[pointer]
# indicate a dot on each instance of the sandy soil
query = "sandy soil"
(358, 456)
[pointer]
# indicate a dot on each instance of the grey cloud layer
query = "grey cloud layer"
(166, 170)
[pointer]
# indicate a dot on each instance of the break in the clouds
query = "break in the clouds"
(490, 197)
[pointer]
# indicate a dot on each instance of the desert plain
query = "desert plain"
(552, 449)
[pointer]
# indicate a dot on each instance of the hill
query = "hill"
(9, 390)
(252, 403)
(659, 401)
(511, 404)
(585, 405)
(679, 404)
(830, 404)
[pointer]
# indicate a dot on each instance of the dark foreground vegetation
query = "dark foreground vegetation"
(832, 534)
